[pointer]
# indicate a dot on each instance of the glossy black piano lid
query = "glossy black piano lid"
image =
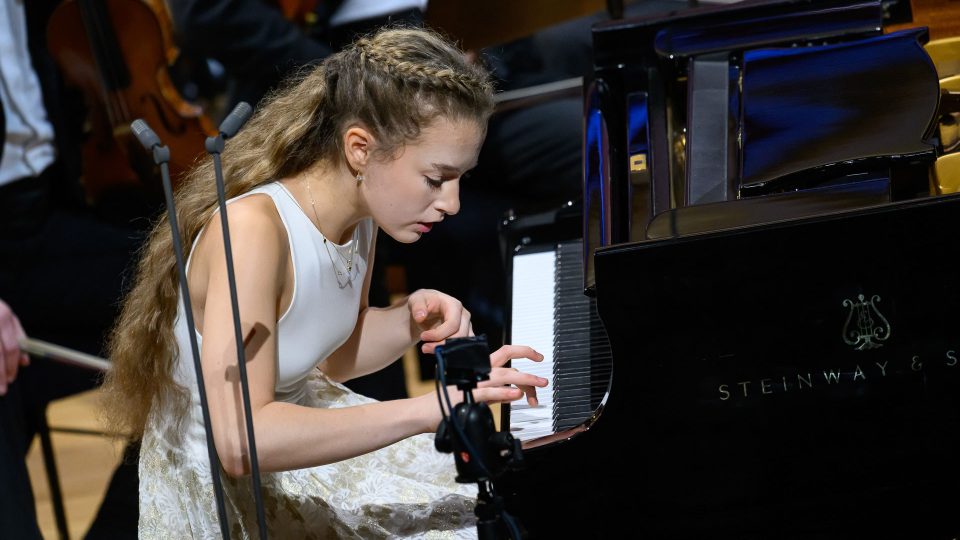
(788, 380)
(832, 106)
(737, 26)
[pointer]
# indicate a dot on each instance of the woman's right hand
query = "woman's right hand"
(504, 385)
(510, 384)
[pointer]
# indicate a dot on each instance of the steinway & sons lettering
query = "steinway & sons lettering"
(800, 381)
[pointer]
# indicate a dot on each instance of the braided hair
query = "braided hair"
(394, 82)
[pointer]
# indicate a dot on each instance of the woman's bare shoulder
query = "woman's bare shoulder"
(257, 234)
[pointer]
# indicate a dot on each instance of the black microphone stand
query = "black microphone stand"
(481, 453)
(161, 156)
(215, 145)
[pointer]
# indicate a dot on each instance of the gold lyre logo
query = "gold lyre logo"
(638, 162)
(865, 327)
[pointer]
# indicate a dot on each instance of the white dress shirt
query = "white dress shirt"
(28, 142)
(357, 10)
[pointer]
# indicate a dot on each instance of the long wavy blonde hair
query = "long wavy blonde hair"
(395, 82)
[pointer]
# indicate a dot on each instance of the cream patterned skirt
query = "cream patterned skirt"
(406, 490)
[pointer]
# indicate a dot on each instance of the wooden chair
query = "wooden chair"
(945, 54)
(946, 177)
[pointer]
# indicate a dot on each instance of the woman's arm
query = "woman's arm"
(380, 336)
(288, 436)
(383, 334)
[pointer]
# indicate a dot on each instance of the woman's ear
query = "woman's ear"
(358, 147)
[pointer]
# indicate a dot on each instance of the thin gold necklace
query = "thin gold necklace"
(346, 261)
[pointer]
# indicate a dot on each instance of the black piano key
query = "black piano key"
(582, 365)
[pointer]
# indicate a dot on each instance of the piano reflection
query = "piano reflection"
(768, 345)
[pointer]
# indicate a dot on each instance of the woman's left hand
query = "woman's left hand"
(437, 316)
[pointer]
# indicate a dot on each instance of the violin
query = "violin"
(117, 52)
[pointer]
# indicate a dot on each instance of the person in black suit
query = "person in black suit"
(18, 517)
(63, 265)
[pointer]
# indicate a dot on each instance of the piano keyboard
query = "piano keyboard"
(550, 313)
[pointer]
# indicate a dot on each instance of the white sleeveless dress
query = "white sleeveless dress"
(406, 490)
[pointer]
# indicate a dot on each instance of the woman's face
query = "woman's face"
(408, 195)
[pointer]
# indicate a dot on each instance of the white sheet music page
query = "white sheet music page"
(532, 325)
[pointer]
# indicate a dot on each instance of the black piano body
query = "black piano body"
(783, 324)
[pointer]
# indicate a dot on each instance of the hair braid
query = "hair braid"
(442, 77)
(398, 58)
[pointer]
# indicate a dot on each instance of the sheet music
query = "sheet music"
(532, 324)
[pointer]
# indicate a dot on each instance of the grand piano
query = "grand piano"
(750, 321)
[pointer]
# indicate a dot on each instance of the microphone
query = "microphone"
(152, 144)
(161, 156)
(235, 120)
(228, 128)
(144, 134)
